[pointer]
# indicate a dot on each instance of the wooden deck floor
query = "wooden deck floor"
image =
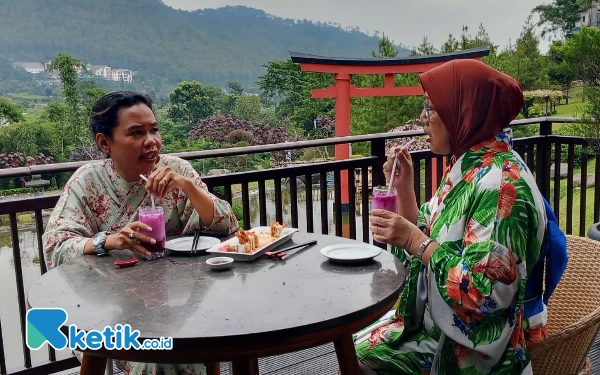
(322, 361)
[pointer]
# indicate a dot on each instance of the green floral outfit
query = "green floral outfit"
(463, 314)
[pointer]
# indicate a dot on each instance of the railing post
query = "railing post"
(378, 150)
(544, 158)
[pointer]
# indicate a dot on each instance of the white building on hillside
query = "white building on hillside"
(124, 75)
(590, 17)
(30, 67)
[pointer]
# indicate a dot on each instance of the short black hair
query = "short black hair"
(106, 110)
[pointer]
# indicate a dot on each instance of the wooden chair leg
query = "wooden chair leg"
(346, 355)
(213, 368)
(92, 365)
(244, 367)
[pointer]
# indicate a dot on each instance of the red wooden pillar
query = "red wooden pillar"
(342, 126)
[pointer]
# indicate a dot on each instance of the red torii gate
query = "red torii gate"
(342, 91)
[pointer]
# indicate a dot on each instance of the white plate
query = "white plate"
(184, 244)
(350, 253)
(243, 257)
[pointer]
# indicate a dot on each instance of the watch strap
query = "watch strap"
(98, 243)
(422, 249)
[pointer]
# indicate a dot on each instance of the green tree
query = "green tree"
(73, 130)
(561, 15)
(291, 88)
(10, 112)
(379, 114)
(89, 96)
(248, 107)
(424, 49)
(235, 88)
(523, 60)
(560, 71)
(451, 45)
(582, 53)
(191, 102)
(31, 138)
(55, 111)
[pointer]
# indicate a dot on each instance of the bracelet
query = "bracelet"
(422, 249)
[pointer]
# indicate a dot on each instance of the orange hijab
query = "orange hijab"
(474, 101)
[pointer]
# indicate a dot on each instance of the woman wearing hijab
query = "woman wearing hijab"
(469, 250)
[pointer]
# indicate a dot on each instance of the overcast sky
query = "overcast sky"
(405, 21)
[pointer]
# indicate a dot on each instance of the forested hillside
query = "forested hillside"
(213, 46)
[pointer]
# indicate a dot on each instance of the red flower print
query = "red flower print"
(481, 145)
(502, 269)
(375, 337)
(445, 190)
(506, 199)
(511, 170)
(462, 355)
(498, 147)
(518, 338)
(535, 335)
(470, 235)
(398, 322)
(460, 289)
(472, 173)
(467, 315)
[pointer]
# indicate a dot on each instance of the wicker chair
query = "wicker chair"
(573, 314)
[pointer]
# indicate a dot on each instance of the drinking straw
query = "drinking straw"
(394, 166)
(151, 195)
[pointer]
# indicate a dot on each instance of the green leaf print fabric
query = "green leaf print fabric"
(463, 314)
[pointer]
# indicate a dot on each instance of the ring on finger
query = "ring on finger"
(132, 235)
(165, 180)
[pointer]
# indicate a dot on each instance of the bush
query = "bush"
(238, 211)
(16, 191)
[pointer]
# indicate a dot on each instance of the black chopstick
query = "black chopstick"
(195, 241)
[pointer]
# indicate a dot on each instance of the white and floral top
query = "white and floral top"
(97, 199)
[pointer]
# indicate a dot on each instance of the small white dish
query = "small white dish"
(184, 244)
(219, 263)
(350, 253)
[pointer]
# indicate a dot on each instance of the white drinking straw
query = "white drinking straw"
(151, 196)
(396, 162)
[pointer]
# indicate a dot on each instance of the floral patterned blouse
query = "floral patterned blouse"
(97, 199)
(463, 314)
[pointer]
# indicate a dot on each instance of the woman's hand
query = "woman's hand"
(403, 175)
(129, 237)
(395, 230)
(163, 179)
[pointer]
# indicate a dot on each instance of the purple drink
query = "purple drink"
(154, 217)
(383, 200)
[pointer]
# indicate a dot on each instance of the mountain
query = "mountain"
(213, 46)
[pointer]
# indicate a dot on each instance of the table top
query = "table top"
(179, 297)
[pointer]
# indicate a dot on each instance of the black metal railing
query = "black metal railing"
(269, 185)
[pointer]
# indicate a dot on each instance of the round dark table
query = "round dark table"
(255, 309)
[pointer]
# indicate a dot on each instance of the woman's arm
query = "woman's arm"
(69, 227)
(203, 210)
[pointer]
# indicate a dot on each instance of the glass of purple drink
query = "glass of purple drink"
(155, 218)
(384, 199)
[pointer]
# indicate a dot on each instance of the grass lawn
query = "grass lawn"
(574, 106)
(589, 209)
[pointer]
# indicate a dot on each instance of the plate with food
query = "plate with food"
(250, 244)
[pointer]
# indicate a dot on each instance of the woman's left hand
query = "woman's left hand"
(393, 229)
(163, 179)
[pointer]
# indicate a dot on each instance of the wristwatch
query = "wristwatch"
(98, 242)
(422, 249)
